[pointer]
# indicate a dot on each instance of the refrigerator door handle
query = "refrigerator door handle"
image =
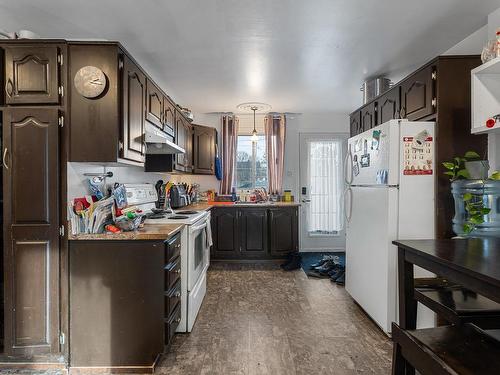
(348, 206)
(348, 165)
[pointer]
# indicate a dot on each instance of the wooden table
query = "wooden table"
(472, 263)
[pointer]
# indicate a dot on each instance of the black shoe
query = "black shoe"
(327, 267)
(316, 274)
(294, 264)
(341, 279)
(335, 269)
(289, 258)
(323, 260)
(335, 274)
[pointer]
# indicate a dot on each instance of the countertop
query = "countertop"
(207, 206)
(148, 232)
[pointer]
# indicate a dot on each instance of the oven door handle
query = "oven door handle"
(199, 227)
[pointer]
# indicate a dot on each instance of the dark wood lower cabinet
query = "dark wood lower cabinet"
(116, 306)
(254, 233)
(31, 231)
(283, 231)
(225, 234)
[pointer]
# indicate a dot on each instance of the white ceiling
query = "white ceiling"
(297, 55)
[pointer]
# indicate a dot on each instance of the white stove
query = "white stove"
(179, 216)
(196, 240)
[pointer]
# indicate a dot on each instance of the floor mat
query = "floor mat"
(311, 258)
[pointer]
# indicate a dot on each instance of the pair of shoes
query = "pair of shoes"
(323, 260)
(293, 262)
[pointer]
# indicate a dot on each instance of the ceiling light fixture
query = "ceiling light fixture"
(255, 137)
(254, 107)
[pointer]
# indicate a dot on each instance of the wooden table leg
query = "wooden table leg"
(407, 302)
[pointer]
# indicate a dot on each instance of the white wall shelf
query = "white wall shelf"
(485, 94)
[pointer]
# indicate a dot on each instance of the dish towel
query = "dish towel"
(208, 231)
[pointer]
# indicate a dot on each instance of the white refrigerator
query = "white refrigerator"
(390, 177)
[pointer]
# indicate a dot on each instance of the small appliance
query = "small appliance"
(179, 196)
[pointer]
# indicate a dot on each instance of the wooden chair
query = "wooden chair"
(457, 350)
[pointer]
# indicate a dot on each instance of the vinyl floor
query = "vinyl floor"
(259, 319)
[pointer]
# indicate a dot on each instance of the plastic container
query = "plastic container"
(489, 192)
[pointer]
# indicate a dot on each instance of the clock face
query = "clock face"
(90, 81)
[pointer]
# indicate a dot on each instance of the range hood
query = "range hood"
(158, 142)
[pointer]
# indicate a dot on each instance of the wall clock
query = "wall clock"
(90, 81)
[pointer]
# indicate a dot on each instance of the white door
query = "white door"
(370, 256)
(321, 191)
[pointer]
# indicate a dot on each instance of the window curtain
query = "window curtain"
(229, 142)
(275, 149)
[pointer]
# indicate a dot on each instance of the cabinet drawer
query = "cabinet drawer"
(172, 299)
(172, 273)
(172, 248)
(171, 325)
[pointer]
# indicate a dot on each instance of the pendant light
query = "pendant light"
(254, 107)
(255, 137)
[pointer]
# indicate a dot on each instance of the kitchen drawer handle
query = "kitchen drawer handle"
(4, 158)
(9, 87)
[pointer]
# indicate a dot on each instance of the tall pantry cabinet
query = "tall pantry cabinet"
(32, 105)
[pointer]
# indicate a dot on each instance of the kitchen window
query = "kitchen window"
(251, 163)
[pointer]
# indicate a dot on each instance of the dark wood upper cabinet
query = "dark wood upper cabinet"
(154, 105)
(224, 222)
(184, 139)
(168, 116)
(283, 230)
(368, 117)
(417, 94)
(134, 89)
(203, 149)
(388, 106)
(253, 232)
(355, 123)
(32, 74)
(95, 123)
(31, 230)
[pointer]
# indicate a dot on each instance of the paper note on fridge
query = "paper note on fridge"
(417, 155)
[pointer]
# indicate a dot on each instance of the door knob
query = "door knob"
(304, 200)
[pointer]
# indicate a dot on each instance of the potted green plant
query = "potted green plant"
(475, 195)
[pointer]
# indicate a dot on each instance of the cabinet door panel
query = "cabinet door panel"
(203, 149)
(283, 229)
(368, 117)
(183, 138)
(31, 243)
(388, 106)
(253, 232)
(355, 123)
(134, 88)
(31, 75)
(169, 116)
(225, 233)
(417, 95)
(154, 105)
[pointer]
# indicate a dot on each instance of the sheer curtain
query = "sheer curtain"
(229, 145)
(325, 186)
(275, 148)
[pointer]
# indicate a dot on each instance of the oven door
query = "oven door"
(198, 251)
